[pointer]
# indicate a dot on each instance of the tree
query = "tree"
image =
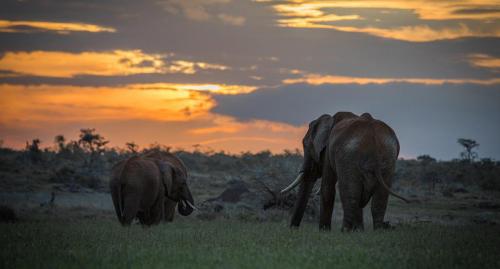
(132, 147)
(60, 141)
(427, 172)
(92, 142)
(33, 150)
(426, 159)
(34, 146)
(468, 154)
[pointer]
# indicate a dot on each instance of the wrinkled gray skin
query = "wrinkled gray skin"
(149, 187)
(358, 152)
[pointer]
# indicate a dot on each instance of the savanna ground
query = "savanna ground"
(191, 243)
(65, 217)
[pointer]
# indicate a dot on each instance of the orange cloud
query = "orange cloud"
(72, 103)
(423, 33)
(425, 9)
(141, 113)
(215, 88)
(484, 61)
(317, 14)
(232, 20)
(419, 33)
(187, 67)
(314, 22)
(59, 27)
(318, 79)
(157, 101)
(110, 63)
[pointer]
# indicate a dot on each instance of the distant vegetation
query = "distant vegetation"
(88, 161)
(242, 221)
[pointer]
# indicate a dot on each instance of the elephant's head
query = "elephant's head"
(318, 134)
(177, 190)
(314, 143)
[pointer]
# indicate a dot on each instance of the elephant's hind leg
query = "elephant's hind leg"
(116, 203)
(379, 204)
(131, 205)
(327, 197)
(350, 189)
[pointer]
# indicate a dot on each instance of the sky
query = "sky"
(239, 75)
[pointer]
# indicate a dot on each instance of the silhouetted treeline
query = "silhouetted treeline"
(88, 163)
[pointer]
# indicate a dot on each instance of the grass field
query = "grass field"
(189, 243)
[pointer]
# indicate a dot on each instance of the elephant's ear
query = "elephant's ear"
(166, 174)
(317, 135)
(179, 175)
(319, 132)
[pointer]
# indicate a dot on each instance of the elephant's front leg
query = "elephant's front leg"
(350, 189)
(169, 210)
(327, 198)
(155, 213)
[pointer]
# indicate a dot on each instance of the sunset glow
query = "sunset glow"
(72, 103)
(249, 75)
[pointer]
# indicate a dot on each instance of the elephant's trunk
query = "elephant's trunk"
(301, 203)
(186, 204)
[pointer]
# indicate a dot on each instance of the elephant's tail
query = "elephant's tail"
(377, 167)
(378, 175)
(120, 201)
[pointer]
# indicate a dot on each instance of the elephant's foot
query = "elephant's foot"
(383, 226)
(352, 228)
(325, 227)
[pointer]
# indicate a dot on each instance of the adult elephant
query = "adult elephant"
(149, 187)
(357, 151)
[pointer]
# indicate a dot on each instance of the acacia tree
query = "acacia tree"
(60, 142)
(132, 147)
(427, 172)
(33, 150)
(92, 142)
(468, 154)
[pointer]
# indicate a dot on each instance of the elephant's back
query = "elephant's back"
(386, 138)
(140, 174)
(364, 136)
(169, 158)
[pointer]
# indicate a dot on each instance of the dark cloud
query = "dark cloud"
(477, 10)
(427, 119)
(146, 26)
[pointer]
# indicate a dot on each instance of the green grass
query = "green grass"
(191, 243)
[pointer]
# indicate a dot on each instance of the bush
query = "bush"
(7, 214)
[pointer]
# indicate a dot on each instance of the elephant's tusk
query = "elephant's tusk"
(191, 205)
(318, 191)
(294, 183)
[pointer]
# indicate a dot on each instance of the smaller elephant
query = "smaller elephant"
(148, 187)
